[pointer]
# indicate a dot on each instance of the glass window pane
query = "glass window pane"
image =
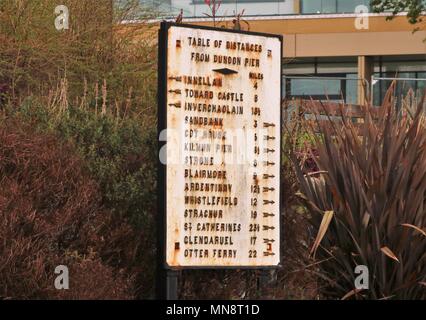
(328, 6)
(421, 84)
(404, 86)
(377, 90)
(293, 69)
(308, 87)
(351, 88)
(348, 6)
(259, 8)
(404, 66)
(226, 9)
(311, 6)
(344, 67)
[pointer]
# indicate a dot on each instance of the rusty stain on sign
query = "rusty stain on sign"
(223, 98)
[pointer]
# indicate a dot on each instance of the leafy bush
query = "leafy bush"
(120, 154)
(370, 205)
(94, 87)
(51, 214)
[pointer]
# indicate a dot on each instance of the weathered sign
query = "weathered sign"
(220, 101)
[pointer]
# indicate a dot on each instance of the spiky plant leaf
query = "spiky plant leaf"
(328, 215)
(375, 182)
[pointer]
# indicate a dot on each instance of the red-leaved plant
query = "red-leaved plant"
(368, 204)
(50, 215)
(214, 6)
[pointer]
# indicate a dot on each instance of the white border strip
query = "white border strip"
(273, 17)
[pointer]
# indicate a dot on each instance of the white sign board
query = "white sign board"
(222, 104)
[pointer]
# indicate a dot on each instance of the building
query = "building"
(331, 47)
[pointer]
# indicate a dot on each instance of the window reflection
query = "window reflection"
(331, 6)
(415, 83)
(309, 78)
(315, 87)
(198, 8)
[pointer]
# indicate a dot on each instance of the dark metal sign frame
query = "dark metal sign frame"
(162, 168)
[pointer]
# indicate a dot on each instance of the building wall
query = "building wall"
(326, 52)
(326, 55)
(336, 35)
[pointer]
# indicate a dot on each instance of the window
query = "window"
(421, 84)
(321, 78)
(311, 6)
(348, 6)
(332, 6)
(315, 88)
(352, 88)
(416, 84)
(406, 67)
(198, 8)
(238, 1)
(328, 6)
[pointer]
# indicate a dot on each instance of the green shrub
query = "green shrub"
(121, 155)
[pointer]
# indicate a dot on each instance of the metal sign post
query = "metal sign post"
(219, 124)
